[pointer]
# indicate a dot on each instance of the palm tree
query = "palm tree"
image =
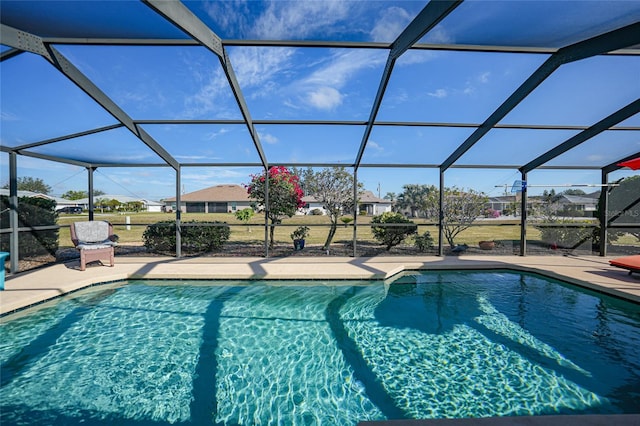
(414, 198)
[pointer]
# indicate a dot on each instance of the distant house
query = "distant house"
(60, 202)
(502, 203)
(368, 204)
(371, 205)
(579, 203)
(215, 199)
(147, 205)
(512, 204)
(311, 204)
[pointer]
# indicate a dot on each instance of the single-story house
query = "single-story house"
(368, 204)
(581, 203)
(215, 199)
(147, 205)
(371, 205)
(60, 202)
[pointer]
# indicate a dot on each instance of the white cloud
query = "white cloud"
(326, 98)
(390, 24)
(195, 157)
(374, 146)
(231, 16)
(299, 19)
(210, 177)
(322, 88)
(212, 135)
(8, 116)
(257, 66)
(438, 35)
(439, 93)
(484, 77)
(267, 138)
(207, 98)
(342, 66)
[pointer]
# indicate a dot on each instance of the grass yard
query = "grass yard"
(505, 231)
(254, 231)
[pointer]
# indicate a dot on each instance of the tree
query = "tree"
(459, 211)
(245, 216)
(397, 229)
(415, 198)
(113, 204)
(578, 192)
(285, 195)
(134, 206)
(30, 184)
(101, 203)
(333, 187)
(77, 195)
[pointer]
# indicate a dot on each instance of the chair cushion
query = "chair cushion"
(95, 246)
(631, 263)
(92, 232)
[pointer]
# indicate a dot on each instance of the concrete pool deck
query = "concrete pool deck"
(33, 287)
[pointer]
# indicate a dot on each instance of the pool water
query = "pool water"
(426, 345)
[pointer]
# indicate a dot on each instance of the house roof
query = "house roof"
(121, 198)
(365, 197)
(369, 197)
(218, 193)
(58, 200)
(579, 199)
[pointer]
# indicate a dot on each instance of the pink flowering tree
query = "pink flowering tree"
(285, 195)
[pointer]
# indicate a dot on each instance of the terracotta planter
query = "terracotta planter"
(487, 245)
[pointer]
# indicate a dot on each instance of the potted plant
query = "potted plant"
(298, 236)
(487, 245)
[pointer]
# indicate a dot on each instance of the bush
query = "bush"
(346, 219)
(424, 242)
(565, 234)
(397, 229)
(31, 212)
(196, 237)
(300, 233)
(317, 212)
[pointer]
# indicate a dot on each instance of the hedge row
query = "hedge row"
(195, 237)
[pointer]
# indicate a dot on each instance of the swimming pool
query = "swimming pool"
(425, 345)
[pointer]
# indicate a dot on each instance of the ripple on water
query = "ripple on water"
(291, 355)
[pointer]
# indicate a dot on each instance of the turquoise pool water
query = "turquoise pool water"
(427, 345)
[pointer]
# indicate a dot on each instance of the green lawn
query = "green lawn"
(254, 231)
(507, 231)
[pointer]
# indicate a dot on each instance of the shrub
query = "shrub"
(31, 212)
(317, 212)
(424, 242)
(196, 237)
(300, 233)
(346, 219)
(565, 234)
(396, 230)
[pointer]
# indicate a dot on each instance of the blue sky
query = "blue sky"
(325, 84)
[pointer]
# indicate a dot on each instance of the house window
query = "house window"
(217, 207)
(233, 206)
(195, 207)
